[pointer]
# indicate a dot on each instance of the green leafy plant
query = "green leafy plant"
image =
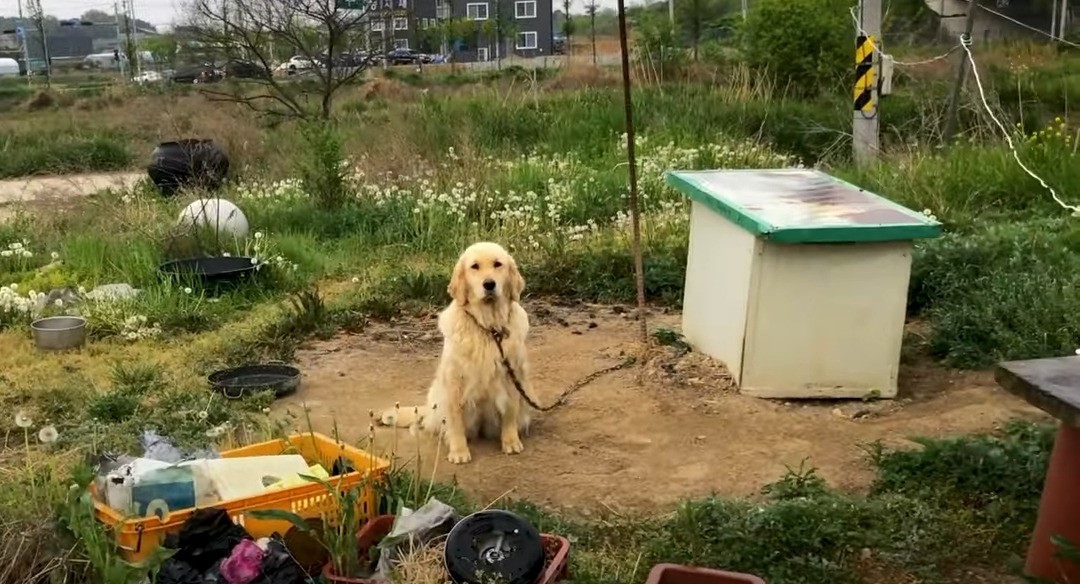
(322, 167)
(338, 536)
(799, 483)
(1066, 552)
(97, 543)
(805, 44)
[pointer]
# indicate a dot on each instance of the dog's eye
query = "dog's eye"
(476, 266)
(498, 264)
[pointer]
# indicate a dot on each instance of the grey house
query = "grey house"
(482, 30)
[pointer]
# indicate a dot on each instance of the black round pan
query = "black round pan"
(235, 382)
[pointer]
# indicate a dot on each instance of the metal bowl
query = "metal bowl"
(59, 333)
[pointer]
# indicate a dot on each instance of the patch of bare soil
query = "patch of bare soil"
(60, 190)
(641, 437)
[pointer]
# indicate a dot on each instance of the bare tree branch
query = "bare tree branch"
(325, 38)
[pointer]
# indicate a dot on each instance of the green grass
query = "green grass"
(31, 151)
(541, 173)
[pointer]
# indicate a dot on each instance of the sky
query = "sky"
(164, 12)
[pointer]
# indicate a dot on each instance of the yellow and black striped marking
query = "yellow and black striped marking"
(864, 74)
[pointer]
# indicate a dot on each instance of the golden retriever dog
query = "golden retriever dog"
(472, 393)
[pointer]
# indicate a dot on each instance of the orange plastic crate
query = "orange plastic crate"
(138, 538)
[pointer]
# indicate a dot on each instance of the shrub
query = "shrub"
(1000, 291)
(805, 44)
(997, 480)
(322, 166)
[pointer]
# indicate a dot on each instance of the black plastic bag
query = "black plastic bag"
(208, 537)
(279, 567)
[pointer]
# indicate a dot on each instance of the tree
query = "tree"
(806, 44)
(501, 27)
(694, 18)
(455, 31)
(591, 7)
(568, 27)
(163, 49)
(325, 36)
(97, 17)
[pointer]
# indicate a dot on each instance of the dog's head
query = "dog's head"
(485, 272)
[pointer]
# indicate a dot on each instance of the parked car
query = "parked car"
(402, 57)
(197, 75)
(296, 65)
(245, 70)
(148, 77)
(357, 59)
(558, 45)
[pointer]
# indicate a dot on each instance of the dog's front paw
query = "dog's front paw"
(459, 456)
(512, 444)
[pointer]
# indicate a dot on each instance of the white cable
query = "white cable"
(859, 29)
(965, 42)
(1029, 27)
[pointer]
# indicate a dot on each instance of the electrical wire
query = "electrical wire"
(861, 31)
(965, 43)
(1029, 27)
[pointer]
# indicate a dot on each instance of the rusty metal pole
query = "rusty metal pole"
(635, 211)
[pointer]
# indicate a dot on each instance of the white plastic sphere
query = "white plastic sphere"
(219, 214)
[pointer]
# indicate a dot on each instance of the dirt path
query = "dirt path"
(682, 432)
(58, 189)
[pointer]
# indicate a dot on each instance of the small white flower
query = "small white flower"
(266, 410)
(23, 421)
(227, 255)
(254, 261)
(82, 290)
(355, 280)
(48, 435)
(6, 253)
(55, 256)
(258, 235)
(203, 415)
(27, 253)
(59, 303)
(187, 290)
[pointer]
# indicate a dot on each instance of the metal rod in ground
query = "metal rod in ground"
(961, 75)
(635, 210)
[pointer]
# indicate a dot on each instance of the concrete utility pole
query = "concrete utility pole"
(961, 74)
(1053, 20)
(865, 138)
(119, 48)
(1061, 21)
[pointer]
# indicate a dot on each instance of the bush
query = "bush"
(997, 480)
(1000, 291)
(806, 44)
(322, 166)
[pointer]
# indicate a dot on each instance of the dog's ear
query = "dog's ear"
(458, 288)
(516, 284)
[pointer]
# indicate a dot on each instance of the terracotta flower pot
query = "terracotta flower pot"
(368, 537)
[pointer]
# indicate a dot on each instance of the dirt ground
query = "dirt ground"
(52, 190)
(619, 444)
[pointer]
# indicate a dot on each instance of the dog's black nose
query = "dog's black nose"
(489, 284)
